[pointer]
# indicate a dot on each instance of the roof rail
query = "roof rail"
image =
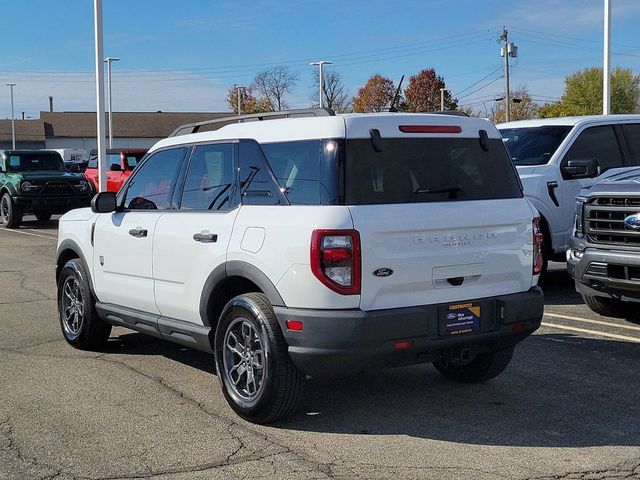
(252, 117)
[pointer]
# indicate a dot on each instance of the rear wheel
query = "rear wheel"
(81, 326)
(484, 367)
(258, 378)
(43, 217)
(609, 307)
(10, 212)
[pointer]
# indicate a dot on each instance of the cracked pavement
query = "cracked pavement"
(567, 408)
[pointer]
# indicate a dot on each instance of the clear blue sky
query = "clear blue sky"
(184, 55)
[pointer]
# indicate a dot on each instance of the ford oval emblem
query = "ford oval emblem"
(632, 221)
(386, 272)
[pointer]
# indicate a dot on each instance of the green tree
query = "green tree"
(375, 95)
(583, 93)
(423, 93)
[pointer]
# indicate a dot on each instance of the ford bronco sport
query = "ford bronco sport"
(36, 182)
(317, 245)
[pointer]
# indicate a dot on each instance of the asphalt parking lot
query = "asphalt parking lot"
(568, 407)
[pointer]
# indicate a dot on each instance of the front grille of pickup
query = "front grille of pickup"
(604, 220)
(57, 188)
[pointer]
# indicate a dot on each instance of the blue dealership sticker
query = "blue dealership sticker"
(461, 318)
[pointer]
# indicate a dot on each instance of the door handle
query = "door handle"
(138, 232)
(205, 237)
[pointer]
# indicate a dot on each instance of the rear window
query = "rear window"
(416, 170)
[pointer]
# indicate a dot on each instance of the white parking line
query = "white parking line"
(592, 332)
(595, 322)
(40, 232)
(27, 233)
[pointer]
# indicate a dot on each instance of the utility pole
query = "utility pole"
(109, 61)
(239, 93)
(606, 67)
(320, 64)
(13, 118)
(507, 50)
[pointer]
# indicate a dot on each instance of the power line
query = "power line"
(475, 83)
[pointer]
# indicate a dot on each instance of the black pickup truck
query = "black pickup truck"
(604, 251)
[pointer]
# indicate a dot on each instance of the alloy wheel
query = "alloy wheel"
(243, 359)
(72, 308)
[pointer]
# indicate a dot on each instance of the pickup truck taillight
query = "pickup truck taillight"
(538, 241)
(335, 259)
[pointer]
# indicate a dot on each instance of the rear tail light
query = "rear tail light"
(538, 241)
(335, 260)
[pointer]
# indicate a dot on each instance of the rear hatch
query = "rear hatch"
(441, 215)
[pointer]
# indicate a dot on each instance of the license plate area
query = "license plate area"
(463, 318)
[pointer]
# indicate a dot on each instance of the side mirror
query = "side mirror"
(115, 167)
(104, 202)
(580, 168)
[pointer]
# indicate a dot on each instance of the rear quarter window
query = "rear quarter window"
(417, 170)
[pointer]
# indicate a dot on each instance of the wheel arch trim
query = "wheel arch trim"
(70, 245)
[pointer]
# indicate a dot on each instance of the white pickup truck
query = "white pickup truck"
(557, 157)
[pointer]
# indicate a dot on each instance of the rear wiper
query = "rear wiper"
(443, 189)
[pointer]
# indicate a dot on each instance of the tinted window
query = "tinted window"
(533, 145)
(306, 170)
(31, 161)
(599, 143)
(427, 170)
(632, 135)
(257, 183)
(152, 184)
(210, 180)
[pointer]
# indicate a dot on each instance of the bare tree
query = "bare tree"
(334, 92)
(274, 84)
(248, 102)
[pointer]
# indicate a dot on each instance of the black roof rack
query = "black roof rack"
(252, 117)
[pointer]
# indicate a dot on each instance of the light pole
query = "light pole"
(239, 93)
(13, 118)
(109, 61)
(320, 64)
(102, 166)
(442, 90)
(606, 64)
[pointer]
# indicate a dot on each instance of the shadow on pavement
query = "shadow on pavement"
(559, 288)
(560, 390)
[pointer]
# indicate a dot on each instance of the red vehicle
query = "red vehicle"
(120, 164)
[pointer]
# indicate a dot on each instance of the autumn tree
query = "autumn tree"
(522, 107)
(583, 93)
(423, 93)
(248, 102)
(273, 85)
(335, 94)
(375, 95)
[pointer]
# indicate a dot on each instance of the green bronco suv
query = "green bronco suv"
(36, 182)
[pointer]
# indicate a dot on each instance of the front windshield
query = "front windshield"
(35, 161)
(533, 145)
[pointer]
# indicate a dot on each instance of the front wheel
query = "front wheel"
(258, 378)
(609, 307)
(81, 326)
(43, 217)
(484, 367)
(10, 212)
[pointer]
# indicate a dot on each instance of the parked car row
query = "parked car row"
(593, 160)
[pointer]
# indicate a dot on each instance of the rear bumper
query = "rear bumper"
(606, 273)
(343, 342)
(52, 204)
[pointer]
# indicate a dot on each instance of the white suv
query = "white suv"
(557, 157)
(319, 246)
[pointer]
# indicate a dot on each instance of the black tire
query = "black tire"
(277, 383)
(609, 307)
(43, 217)
(484, 367)
(10, 212)
(81, 326)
